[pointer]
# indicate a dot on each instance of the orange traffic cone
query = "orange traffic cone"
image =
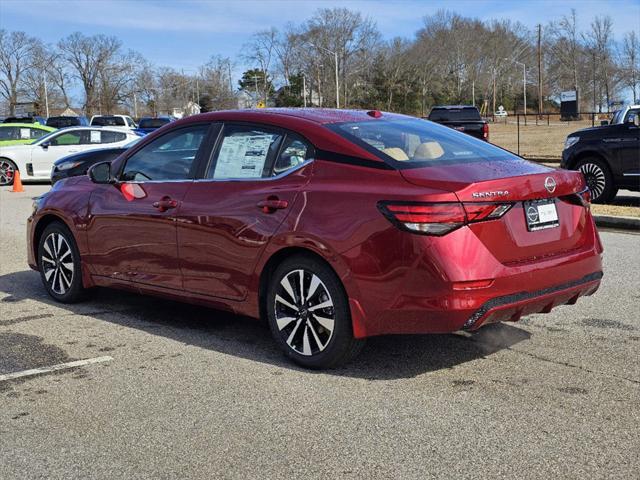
(17, 183)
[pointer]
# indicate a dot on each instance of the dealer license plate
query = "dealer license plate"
(541, 214)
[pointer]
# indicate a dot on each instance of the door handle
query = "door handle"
(271, 204)
(165, 203)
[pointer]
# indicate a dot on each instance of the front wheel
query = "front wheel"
(7, 171)
(599, 179)
(59, 264)
(308, 313)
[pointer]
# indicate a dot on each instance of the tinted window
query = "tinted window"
(454, 115)
(112, 137)
(153, 122)
(294, 152)
(244, 152)
(9, 133)
(169, 157)
(37, 133)
(62, 122)
(418, 143)
(108, 121)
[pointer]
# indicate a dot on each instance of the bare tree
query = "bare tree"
(89, 57)
(16, 58)
(631, 54)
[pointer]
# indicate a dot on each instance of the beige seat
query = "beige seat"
(396, 153)
(428, 151)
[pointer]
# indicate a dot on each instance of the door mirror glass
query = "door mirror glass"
(101, 173)
(604, 123)
(45, 145)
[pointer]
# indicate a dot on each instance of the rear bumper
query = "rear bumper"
(510, 308)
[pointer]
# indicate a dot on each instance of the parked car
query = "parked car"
(117, 121)
(27, 119)
(21, 133)
(464, 118)
(34, 161)
(500, 114)
(78, 163)
(608, 156)
(620, 116)
(150, 124)
(63, 122)
(333, 225)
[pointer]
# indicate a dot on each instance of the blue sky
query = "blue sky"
(184, 34)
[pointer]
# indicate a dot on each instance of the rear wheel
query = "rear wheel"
(308, 314)
(599, 179)
(59, 264)
(7, 171)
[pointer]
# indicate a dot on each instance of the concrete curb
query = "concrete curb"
(623, 223)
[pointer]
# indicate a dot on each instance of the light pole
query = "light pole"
(524, 82)
(335, 58)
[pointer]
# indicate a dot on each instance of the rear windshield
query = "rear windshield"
(153, 122)
(454, 115)
(412, 142)
(108, 122)
(62, 122)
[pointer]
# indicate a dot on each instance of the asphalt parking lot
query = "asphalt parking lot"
(186, 392)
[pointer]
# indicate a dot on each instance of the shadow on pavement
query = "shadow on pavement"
(383, 358)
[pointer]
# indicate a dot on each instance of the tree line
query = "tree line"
(338, 56)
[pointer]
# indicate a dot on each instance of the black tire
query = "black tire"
(59, 264)
(599, 179)
(7, 172)
(296, 316)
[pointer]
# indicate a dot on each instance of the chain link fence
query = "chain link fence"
(539, 137)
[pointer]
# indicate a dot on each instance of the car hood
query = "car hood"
(89, 154)
(14, 148)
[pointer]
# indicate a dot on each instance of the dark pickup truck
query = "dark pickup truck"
(463, 118)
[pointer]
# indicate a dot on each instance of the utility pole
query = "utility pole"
(473, 92)
(540, 106)
(46, 93)
(304, 90)
(593, 53)
(135, 105)
(494, 90)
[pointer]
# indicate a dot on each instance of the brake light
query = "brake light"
(485, 131)
(439, 218)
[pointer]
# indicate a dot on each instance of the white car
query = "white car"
(34, 161)
(500, 113)
(113, 121)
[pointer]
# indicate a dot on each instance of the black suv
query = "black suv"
(608, 156)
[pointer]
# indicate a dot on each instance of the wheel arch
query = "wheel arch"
(588, 154)
(341, 271)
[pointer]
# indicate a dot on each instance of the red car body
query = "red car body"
(216, 247)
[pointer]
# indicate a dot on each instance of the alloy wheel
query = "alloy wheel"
(304, 312)
(7, 172)
(595, 177)
(57, 263)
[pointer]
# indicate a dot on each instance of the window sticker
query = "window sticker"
(243, 156)
(95, 136)
(25, 133)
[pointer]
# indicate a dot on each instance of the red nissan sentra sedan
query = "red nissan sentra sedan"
(332, 225)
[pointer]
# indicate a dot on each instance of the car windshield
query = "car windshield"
(412, 142)
(153, 122)
(454, 115)
(108, 121)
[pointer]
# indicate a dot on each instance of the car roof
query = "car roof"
(453, 107)
(29, 125)
(316, 115)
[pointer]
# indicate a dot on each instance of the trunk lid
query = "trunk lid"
(517, 182)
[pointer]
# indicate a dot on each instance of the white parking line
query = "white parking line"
(53, 368)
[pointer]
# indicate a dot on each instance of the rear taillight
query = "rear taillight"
(439, 218)
(485, 131)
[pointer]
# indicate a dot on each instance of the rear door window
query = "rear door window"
(245, 152)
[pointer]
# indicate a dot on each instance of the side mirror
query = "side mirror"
(45, 145)
(604, 123)
(101, 173)
(631, 120)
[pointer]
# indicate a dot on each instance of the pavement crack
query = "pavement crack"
(571, 365)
